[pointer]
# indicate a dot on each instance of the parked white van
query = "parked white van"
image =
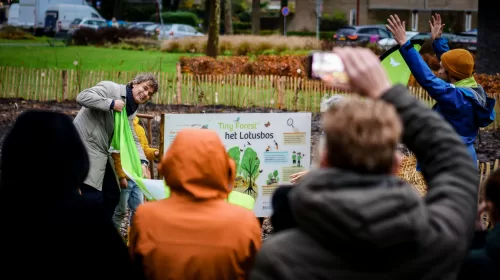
(32, 12)
(13, 15)
(59, 17)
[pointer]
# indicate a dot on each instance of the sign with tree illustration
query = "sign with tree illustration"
(266, 148)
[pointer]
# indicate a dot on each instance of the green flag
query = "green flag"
(395, 65)
(123, 143)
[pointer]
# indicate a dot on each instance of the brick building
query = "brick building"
(458, 15)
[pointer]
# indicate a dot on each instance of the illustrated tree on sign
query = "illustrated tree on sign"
(250, 168)
(234, 153)
(273, 178)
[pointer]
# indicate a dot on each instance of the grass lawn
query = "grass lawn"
(89, 58)
(37, 40)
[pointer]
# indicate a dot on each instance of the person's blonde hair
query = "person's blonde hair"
(362, 135)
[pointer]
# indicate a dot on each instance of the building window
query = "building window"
(414, 21)
(468, 21)
(352, 17)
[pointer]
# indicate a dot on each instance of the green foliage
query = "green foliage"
(188, 18)
(273, 178)
(249, 165)
(14, 33)
(234, 153)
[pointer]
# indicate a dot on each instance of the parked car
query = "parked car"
(151, 30)
(466, 40)
(140, 25)
(60, 17)
(427, 36)
(388, 43)
(171, 31)
(362, 34)
(94, 23)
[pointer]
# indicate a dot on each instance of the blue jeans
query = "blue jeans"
(130, 197)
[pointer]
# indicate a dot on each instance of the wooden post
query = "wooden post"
(179, 84)
(162, 139)
(280, 93)
(150, 140)
(64, 76)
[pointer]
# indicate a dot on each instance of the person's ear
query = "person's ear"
(323, 154)
(396, 163)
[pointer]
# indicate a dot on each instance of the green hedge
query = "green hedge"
(242, 26)
(179, 17)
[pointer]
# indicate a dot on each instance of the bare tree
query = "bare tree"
(488, 39)
(228, 18)
(213, 29)
(256, 17)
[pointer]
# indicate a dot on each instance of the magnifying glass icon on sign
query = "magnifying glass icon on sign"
(290, 122)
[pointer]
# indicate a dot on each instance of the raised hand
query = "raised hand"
(436, 26)
(397, 28)
(365, 72)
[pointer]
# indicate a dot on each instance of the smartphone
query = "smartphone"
(320, 64)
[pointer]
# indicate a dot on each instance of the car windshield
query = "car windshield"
(101, 23)
(166, 27)
(151, 27)
(346, 31)
(76, 21)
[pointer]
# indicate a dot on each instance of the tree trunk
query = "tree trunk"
(488, 38)
(256, 17)
(228, 18)
(206, 15)
(213, 29)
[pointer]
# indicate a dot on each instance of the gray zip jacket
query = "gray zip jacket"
(95, 124)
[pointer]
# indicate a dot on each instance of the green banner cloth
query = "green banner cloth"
(396, 67)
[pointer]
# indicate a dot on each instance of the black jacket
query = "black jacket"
(359, 226)
(483, 262)
(48, 230)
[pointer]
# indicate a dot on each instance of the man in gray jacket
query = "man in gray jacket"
(354, 218)
(95, 124)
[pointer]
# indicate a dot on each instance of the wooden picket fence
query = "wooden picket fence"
(290, 93)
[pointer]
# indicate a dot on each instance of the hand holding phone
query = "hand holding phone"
(326, 65)
(362, 69)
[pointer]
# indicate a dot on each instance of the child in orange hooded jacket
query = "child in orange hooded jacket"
(195, 233)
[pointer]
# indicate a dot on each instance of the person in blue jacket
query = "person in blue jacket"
(459, 98)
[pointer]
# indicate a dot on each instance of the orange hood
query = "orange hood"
(197, 165)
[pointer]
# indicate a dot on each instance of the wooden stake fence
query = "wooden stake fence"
(281, 93)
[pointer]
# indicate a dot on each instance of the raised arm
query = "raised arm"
(450, 173)
(447, 166)
(98, 97)
(440, 45)
(441, 91)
